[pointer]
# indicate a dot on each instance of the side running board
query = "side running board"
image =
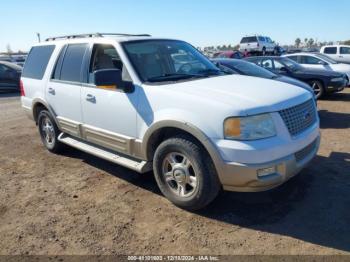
(136, 165)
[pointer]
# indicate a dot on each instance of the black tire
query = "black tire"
(207, 184)
(318, 88)
(48, 128)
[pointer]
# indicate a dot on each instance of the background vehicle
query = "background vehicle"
(229, 54)
(322, 81)
(126, 99)
(340, 53)
(257, 44)
(15, 59)
(320, 61)
(242, 67)
(9, 76)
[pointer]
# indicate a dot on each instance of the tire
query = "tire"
(49, 132)
(185, 173)
(318, 88)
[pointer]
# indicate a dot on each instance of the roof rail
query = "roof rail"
(91, 35)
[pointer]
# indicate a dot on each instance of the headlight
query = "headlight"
(249, 128)
(337, 79)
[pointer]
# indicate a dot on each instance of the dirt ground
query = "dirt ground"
(78, 204)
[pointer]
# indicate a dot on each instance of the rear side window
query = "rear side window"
(261, 39)
(294, 58)
(72, 63)
(249, 39)
(330, 50)
(36, 63)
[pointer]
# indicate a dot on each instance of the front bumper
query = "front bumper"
(244, 177)
(337, 86)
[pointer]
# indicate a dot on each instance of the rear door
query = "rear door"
(344, 54)
(331, 51)
(64, 88)
(8, 79)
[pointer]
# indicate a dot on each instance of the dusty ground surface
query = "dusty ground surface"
(77, 204)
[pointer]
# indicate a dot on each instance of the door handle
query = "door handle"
(51, 91)
(91, 98)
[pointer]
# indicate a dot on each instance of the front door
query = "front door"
(109, 115)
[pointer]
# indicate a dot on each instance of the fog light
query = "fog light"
(266, 171)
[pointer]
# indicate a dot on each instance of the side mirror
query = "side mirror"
(112, 79)
(283, 69)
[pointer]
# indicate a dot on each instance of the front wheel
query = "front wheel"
(185, 173)
(318, 88)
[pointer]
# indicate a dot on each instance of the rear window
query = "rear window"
(36, 63)
(330, 50)
(249, 39)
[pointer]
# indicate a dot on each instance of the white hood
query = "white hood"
(245, 95)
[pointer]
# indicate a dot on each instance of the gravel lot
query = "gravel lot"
(78, 204)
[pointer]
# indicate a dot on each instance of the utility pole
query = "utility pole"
(38, 35)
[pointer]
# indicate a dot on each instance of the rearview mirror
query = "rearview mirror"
(112, 79)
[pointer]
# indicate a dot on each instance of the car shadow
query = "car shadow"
(338, 97)
(312, 207)
(334, 120)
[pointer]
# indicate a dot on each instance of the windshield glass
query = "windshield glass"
(250, 69)
(327, 59)
(168, 60)
(290, 64)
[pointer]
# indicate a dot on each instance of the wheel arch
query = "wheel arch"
(163, 130)
(37, 106)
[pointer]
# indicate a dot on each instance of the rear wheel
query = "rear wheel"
(318, 88)
(49, 132)
(185, 173)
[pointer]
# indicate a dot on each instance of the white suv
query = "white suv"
(340, 53)
(258, 44)
(128, 99)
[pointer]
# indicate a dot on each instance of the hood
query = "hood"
(243, 95)
(321, 72)
(341, 67)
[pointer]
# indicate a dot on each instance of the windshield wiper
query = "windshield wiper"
(172, 77)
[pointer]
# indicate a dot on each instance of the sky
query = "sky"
(200, 22)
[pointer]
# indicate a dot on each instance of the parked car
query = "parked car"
(121, 98)
(340, 53)
(310, 50)
(235, 66)
(320, 61)
(257, 44)
(229, 54)
(9, 76)
(15, 59)
(322, 81)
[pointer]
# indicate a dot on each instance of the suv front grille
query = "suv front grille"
(300, 117)
(306, 151)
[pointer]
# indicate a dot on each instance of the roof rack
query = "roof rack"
(91, 35)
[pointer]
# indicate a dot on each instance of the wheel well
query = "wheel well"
(165, 133)
(319, 80)
(36, 110)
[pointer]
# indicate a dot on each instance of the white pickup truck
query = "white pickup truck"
(128, 99)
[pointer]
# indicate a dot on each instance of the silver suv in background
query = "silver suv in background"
(258, 44)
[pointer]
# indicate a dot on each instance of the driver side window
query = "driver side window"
(106, 57)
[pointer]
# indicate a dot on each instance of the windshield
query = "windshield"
(249, 69)
(293, 66)
(327, 59)
(168, 60)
